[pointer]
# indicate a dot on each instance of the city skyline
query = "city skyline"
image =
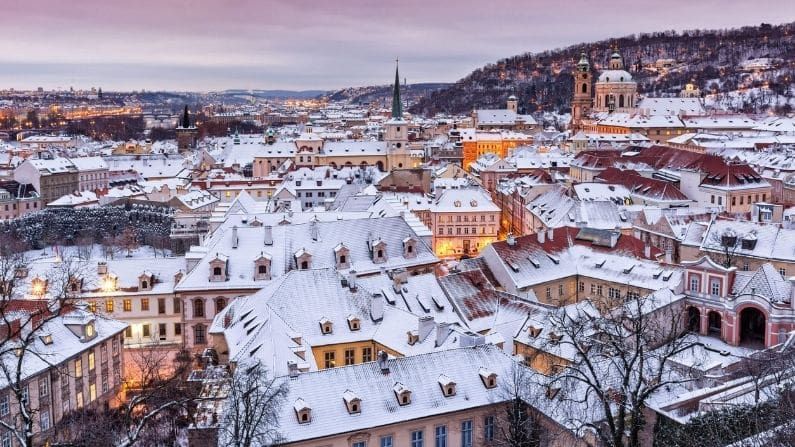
(205, 46)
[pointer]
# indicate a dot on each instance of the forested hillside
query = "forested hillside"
(720, 62)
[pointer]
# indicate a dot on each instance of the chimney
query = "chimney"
(426, 325)
(292, 369)
(313, 231)
(102, 268)
(234, 236)
(442, 331)
(550, 233)
(647, 250)
(377, 303)
(542, 236)
(470, 339)
(382, 359)
(399, 277)
(510, 240)
(669, 256)
(352, 280)
(268, 235)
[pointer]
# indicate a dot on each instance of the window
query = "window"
(44, 388)
(198, 335)
(417, 439)
(599, 290)
(177, 328)
(91, 361)
(582, 286)
(220, 303)
(783, 272)
(746, 267)
(386, 441)
(115, 346)
(359, 444)
(127, 305)
(4, 408)
(350, 357)
(92, 392)
(5, 440)
(92, 306)
(144, 303)
(128, 332)
(161, 306)
(161, 330)
(694, 283)
(78, 368)
(89, 330)
(560, 289)
(198, 308)
(720, 200)
(108, 306)
(441, 436)
(328, 359)
(466, 434)
(613, 292)
(177, 305)
(714, 287)
(44, 420)
(488, 428)
(217, 271)
(549, 292)
(367, 354)
(593, 289)
(79, 397)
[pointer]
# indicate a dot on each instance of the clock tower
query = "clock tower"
(582, 102)
(396, 132)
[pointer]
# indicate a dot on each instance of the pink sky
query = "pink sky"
(301, 44)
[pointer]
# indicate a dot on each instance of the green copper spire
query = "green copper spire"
(397, 105)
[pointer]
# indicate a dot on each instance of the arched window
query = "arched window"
(220, 303)
(584, 87)
(620, 100)
(144, 285)
(198, 307)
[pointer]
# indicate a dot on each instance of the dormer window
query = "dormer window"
(46, 339)
(145, 281)
(352, 402)
(413, 337)
(342, 256)
(303, 259)
(409, 248)
(354, 323)
(302, 411)
(262, 267)
(218, 268)
(326, 326)
(533, 331)
(447, 385)
(90, 330)
(402, 394)
(38, 286)
(488, 377)
(379, 251)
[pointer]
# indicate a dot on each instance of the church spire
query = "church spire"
(185, 118)
(397, 105)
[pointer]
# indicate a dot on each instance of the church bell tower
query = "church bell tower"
(396, 132)
(582, 101)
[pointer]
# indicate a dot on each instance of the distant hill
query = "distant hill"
(277, 94)
(715, 60)
(382, 94)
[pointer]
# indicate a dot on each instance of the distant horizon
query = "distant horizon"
(202, 46)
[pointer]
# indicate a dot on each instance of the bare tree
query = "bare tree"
(24, 317)
(155, 409)
(128, 240)
(728, 246)
(622, 359)
(251, 415)
(518, 426)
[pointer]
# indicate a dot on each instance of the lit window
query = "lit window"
(91, 361)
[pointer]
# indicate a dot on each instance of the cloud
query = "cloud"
(301, 44)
